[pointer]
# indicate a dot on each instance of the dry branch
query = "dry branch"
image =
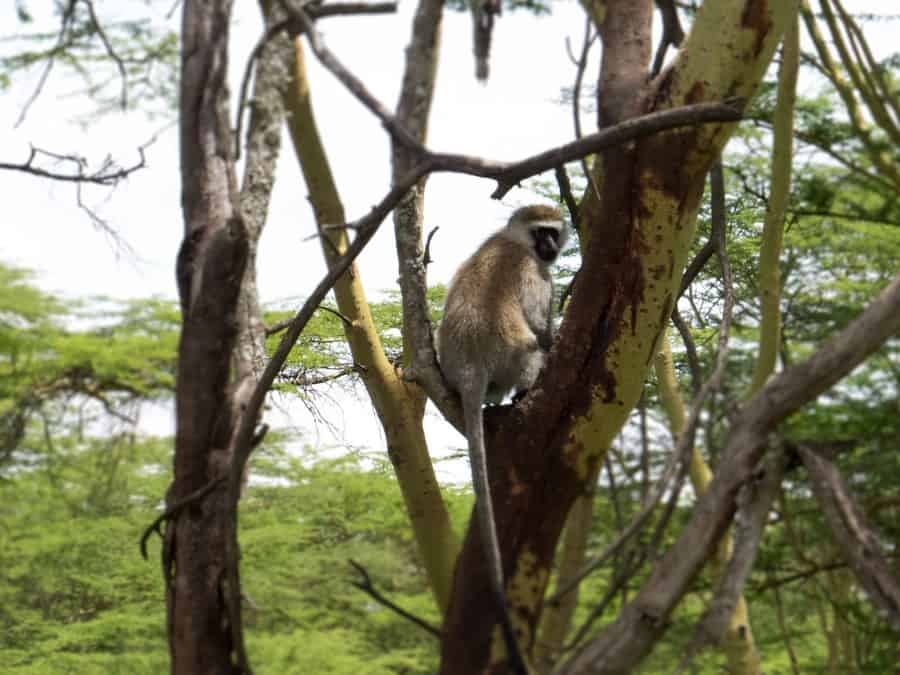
(108, 173)
(627, 640)
(856, 539)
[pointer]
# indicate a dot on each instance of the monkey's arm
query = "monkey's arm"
(536, 300)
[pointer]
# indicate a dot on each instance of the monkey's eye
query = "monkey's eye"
(544, 232)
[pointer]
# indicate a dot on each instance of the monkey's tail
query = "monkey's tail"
(484, 510)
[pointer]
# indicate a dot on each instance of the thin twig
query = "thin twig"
(426, 256)
(67, 17)
(176, 508)
(346, 320)
(108, 174)
(565, 191)
(110, 51)
(580, 65)
(368, 587)
(349, 80)
(291, 25)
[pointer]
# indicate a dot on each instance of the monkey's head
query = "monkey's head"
(541, 229)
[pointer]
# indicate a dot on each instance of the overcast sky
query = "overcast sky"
(516, 114)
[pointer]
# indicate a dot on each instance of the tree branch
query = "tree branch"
(856, 539)
(366, 585)
(624, 642)
(109, 173)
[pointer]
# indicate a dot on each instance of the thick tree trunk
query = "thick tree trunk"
(542, 451)
(210, 267)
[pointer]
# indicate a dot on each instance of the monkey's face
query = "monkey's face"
(546, 243)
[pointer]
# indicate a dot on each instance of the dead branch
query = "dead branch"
(175, 509)
(672, 34)
(426, 257)
(109, 173)
(625, 641)
(68, 16)
(754, 504)
(590, 35)
(854, 536)
(366, 585)
(294, 28)
(565, 191)
(509, 175)
(110, 51)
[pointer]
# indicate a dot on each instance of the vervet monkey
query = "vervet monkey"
(483, 12)
(496, 329)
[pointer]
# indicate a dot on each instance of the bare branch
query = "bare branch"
(293, 26)
(426, 257)
(580, 65)
(625, 641)
(755, 501)
(507, 174)
(174, 509)
(672, 34)
(108, 173)
(565, 191)
(67, 17)
(348, 79)
(366, 585)
(110, 51)
(856, 539)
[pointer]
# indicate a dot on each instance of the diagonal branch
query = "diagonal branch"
(857, 541)
(627, 640)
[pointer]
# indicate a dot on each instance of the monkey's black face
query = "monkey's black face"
(546, 243)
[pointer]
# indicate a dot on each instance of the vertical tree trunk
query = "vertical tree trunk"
(542, 451)
(210, 267)
(399, 404)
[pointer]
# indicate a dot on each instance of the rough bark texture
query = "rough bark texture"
(262, 150)
(641, 228)
(210, 267)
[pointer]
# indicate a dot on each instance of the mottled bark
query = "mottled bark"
(210, 267)
(543, 450)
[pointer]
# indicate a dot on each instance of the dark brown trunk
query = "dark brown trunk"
(209, 270)
(533, 484)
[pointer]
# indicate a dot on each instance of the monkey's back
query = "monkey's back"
(484, 317)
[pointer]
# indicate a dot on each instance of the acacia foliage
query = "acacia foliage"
(75, 595)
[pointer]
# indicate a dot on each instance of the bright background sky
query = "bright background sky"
(515, 115)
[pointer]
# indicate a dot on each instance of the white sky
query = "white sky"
(516, 114)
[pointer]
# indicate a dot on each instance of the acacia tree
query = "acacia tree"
(636, 224)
